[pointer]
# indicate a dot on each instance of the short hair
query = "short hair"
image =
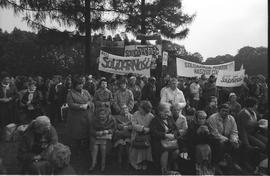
(200, 112)
(250, 102)
(212, 98)
(60, 155)
(191, 111)
(224, 106)
(31, 82)
(4, 75)
(76, 80)
(173, 80)
(162, 106)
(146, 106)
(122, 81)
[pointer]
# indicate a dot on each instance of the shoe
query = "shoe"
(102, 167)
(92, 168)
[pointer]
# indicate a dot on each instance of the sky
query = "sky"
(220, 26)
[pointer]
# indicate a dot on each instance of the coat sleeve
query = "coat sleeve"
(71, 103)
(234, 131)
(135, 125)
(24, 151)
(242, 122)
(213, 129)
(183, 102)
(131, 101)
(155, 130)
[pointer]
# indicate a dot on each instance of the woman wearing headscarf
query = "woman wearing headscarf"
(80, 112)
(34, 146)
(101, 131)
(138, 157)
(163, 127)
(8, 96)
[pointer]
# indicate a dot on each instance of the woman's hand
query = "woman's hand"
(146, 130)
(37, 158)
(170, 136)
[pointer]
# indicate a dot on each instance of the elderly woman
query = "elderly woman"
(80, 112)
(235, 107)
(162, 129)
(140, 123)
(59, 159)
(102, 128)
(8, 95)
(198, 135)
(34, 145)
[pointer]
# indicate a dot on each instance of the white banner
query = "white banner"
(123, 65)
(191, 69)
(230, 78)
(165, 58)
(143, 50)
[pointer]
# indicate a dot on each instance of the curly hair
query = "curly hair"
(60, 155)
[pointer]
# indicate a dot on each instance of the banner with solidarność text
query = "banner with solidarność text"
(123, 65)
(191, 69)
(230, 78)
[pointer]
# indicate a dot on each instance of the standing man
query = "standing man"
(195, 90)
(173, 95)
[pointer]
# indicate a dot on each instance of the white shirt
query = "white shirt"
(195, 90)
(173, 97)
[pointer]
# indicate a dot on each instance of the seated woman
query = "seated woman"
(59, 159)
(101, 132)
(34, 144)
(122, 134)
(163, 128)
(139, 156)
(200, 143)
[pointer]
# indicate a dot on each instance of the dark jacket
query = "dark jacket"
(26, 151)
(157, 133)
(149, 93)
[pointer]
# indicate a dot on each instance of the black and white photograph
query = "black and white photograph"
(134, 87)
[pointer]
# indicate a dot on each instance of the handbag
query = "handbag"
(141, 141)
(106, 137)
(169, 144)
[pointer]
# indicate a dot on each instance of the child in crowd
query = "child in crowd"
(101, 133)
(123, 134)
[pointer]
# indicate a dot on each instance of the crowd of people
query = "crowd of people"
(146, 121)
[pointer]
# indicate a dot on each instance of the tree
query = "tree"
(219, 59)
(83, 15)
(162, 16)
(254, 60)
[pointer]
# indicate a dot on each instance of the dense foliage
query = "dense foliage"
(52, 52)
